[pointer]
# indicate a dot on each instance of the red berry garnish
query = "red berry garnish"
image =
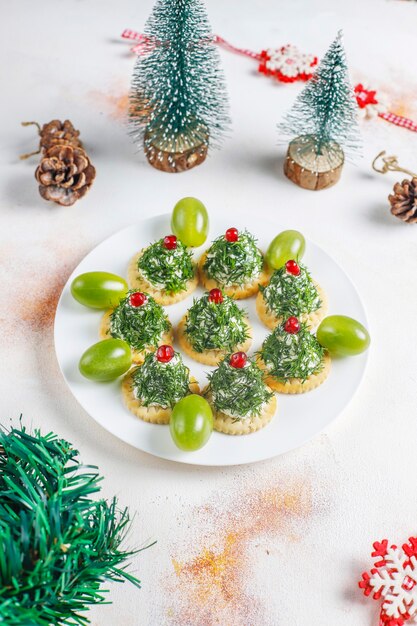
(292, 267)
(292, 325)
(232, 235)
(165, 353)
(138, 298)
(170, 242)
(238, 360)
(216, 296)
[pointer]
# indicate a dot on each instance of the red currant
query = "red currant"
(292, 267)
(232, 235)
(215, 296)
(238, 360)
(292, 325)
(170, 242)
(165, 353)
(138, 298)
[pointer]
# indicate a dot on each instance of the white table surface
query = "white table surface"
(264, 545)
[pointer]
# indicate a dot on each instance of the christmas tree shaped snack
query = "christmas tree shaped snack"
(323, 121)
(165, 270)
(234, 264)
(140, 321)
(213, 327)
(293, 359)
(178, 104)
(291, 292)
(241, 401)
(151, 390)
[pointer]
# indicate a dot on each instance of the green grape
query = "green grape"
(343, 336)
(106, 360)
(190, 222)
(290, 244)
(99, 290)
(191, 423)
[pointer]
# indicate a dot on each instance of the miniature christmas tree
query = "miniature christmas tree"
(58, 544)
(178, 97)
(324, 122)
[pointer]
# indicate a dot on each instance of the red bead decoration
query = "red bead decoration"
(216, 296)
(238, 360)
(165, 353)
(138, 298)
(292, 267)
(292, 325)
(232, 235)
(170, 242)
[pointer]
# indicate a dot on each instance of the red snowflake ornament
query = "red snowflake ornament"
(287, 64)
(365, 96)
(394, 579)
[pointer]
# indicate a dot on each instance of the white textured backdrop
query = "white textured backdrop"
(282, 542)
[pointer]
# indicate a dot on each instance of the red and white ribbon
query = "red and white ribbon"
(399, 120)
(287, 64)
(133, 35)
(228, 46)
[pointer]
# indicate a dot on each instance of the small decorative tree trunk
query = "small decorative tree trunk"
(163, 159)
(309, 169)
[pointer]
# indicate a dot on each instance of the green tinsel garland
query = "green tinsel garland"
(57, 544)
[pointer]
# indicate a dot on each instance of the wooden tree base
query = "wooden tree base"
(311, 171)
(175, 162)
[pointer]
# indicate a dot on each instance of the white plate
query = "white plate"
(298, 418)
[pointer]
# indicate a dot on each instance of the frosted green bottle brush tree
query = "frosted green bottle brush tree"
(322, 124)
(178, 100)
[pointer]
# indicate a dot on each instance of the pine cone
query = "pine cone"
(64, 174)
(59, 133)
(404, 200)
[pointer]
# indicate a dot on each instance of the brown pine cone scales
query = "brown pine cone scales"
(64, 174)
(404, 200)
(59, 133)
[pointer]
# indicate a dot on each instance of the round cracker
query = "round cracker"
(238, 292)
(151, 414)
(208, 357)
(313, 319)
(138, 282)
(296, 385)
(231, 426)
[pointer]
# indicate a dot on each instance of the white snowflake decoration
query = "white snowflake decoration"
(394, 579)
(287, 63)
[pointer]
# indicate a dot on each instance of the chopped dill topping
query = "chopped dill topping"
(234, 262)
(141, 326)
(289, 355)
(215, 326)
(161, 384)
(240, 393)
(167, 269)
(287, 295)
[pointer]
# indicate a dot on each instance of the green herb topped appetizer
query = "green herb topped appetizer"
(293, 359)
(241, 401)
(213, 327)
(291, 292)
(140, 321)
(165, 269)
(151, 390)
(235, 264)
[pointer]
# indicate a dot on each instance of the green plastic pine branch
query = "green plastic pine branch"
(178, 94)
(326, 109)
(58, 545)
